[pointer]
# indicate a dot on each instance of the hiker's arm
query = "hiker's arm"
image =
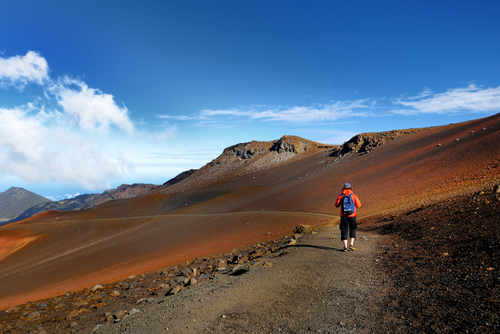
(337, 202)
(357, 202)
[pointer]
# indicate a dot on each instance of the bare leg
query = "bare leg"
(352, 242)
(345, 243)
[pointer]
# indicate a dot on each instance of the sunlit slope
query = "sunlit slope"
(411, 170)
(231, 203)
(75, 254)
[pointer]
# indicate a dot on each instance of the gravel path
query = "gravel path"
(310, 287)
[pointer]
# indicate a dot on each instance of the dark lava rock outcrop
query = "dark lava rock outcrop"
(286, 144)
(365, 142)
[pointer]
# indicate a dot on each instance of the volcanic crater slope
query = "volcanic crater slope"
(246, 158)
(253, 192)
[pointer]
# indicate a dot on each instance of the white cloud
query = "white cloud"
(298, 114)
(43, 146)
(19, 71)
(38, 147)
(90, 107)
(179, 117)
(460, 100)
(167, 131)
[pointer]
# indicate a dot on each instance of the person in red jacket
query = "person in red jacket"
(348, 224)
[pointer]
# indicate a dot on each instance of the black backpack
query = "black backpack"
(347, 205)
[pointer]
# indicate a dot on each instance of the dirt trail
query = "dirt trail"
(310, 287)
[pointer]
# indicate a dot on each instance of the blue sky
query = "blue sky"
(94, 94)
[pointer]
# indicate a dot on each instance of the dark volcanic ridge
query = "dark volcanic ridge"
(87, 200)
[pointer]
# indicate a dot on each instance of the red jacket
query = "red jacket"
(357, 202)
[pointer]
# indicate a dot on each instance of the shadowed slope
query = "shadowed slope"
(251, 190)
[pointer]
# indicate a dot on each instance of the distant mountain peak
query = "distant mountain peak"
(84, 201)
(16, 200)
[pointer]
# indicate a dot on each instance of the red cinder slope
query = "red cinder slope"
(251, 190)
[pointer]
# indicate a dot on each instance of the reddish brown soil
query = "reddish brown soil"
(225, 206)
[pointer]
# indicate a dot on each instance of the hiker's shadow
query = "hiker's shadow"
(314, 246)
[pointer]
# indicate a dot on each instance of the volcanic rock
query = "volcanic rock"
(96, 287)
(303, 229)
(33, 316)
(238, 270)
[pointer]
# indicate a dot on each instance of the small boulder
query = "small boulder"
(234, 259)
(111, 318)
(134, 311)
(267, 265)
(256, 254)
(97, 287)
(257, 264)
(238, 270)
(96, 298)
(96, 328)
(120, 314)
(175, 290)
(71, 315)
(81, 303)
(303, 229)
(98, 305)
(33, 316)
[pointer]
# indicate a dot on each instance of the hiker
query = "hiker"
(348, 202)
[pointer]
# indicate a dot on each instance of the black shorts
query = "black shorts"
(348, 226)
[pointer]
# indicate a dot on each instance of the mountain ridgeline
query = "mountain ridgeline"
(18, 204)
(15, 201)
(77, 203)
